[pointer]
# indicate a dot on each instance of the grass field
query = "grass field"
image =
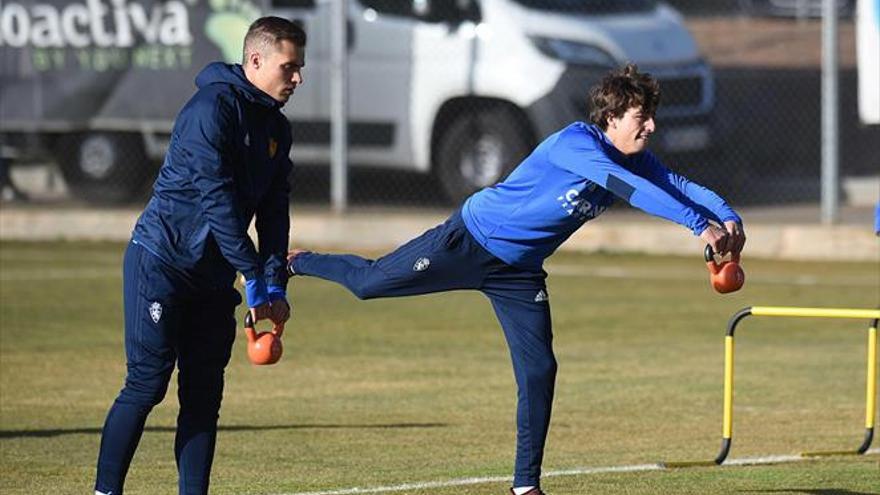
(389, 392)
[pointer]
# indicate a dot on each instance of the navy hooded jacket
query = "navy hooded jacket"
(227, 161)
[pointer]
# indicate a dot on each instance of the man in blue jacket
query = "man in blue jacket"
(498, 241)
(228, 161)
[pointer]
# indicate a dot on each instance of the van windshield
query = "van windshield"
(590, 6)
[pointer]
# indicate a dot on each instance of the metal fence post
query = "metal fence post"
(830, 121)
(339, 107)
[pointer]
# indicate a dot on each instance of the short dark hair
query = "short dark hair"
(268, 31)
(620, 90)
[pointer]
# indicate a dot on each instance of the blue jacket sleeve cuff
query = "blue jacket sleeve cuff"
(700, 226)
(277, 292)
(256, 292)
(732, 218)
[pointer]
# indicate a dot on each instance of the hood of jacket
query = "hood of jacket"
(219, 72)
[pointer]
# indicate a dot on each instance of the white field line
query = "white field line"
(634, 468)
(427, 485)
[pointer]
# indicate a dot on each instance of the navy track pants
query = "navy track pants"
(446, 258)
(169, 319)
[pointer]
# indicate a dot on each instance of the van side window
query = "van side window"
(391, 7)
(293, 4)
(454, 11)
(427, 10)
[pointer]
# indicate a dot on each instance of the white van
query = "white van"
(459, 88)
(465, 88)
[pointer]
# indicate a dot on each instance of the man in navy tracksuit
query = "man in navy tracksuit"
(228, 160)
(498, 241)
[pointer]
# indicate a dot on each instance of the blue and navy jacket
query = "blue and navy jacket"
(227, 161)
(572, 177)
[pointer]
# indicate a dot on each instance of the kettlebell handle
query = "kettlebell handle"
(249, 323)
(709, 255)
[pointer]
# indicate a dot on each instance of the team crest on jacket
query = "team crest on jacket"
(421, 264)
(155, 312)
(273, 147)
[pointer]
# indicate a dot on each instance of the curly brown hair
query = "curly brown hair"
(620, 90)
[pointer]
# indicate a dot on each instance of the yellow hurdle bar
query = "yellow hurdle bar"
(867, 314)
(870, 389)
(870, 386)
(727, 428)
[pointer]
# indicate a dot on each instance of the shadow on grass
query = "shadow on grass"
(4, 434)
(813, 491)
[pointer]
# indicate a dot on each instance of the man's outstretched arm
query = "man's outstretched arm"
(638, 191)
(699, 197)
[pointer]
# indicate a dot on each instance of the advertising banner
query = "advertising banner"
(121, 64)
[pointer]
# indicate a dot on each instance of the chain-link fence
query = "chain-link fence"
(445, 96)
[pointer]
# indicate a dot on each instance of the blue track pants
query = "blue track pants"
(169, 318)
(448, 258)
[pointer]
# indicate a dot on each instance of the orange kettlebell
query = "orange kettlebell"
(262, 347)
(727, 276)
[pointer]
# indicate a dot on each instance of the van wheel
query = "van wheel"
(104, 167)
(479, 149)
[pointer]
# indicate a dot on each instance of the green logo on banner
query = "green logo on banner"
(227, 25)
